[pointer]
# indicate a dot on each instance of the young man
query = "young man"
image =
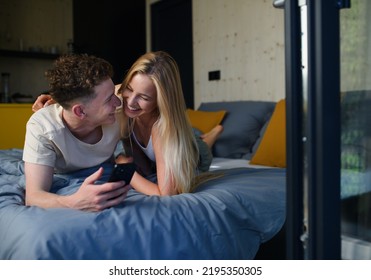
(80, 131)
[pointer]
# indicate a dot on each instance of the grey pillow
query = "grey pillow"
(242, 124)
(260, 137)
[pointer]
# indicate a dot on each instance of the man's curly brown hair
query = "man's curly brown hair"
(74, 77)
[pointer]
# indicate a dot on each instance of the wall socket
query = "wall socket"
(214, 75)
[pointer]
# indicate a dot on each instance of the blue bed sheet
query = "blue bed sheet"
(226, 218)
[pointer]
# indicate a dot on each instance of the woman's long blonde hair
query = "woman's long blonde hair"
(179, 146)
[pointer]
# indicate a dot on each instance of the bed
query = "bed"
(227, 218)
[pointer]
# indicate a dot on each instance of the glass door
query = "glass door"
(328, 92)
(355, 81)
(328, 95)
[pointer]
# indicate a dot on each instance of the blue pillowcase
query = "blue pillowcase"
(242, 124)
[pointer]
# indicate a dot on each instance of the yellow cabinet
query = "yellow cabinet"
(13, 119)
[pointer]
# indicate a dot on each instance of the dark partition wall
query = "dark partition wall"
(114, 30)
(171, 31)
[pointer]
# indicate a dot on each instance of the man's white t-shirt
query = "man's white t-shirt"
(49, 142)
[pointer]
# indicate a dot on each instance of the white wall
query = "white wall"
(244, 39)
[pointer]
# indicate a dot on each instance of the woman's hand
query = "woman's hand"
(42, 101)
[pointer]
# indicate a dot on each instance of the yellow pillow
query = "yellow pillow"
(272, 148)
(205, 121)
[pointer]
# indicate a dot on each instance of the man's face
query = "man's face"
(101, 110)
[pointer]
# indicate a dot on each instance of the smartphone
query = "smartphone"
(122, 172)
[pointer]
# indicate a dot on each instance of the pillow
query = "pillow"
(248, 156)
(272, 148)
(241, 125)
(205, 121)
(261, 134)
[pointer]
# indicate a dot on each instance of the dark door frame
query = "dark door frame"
(314, 133)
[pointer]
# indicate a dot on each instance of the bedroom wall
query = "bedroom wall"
(244, 39)
(229, 35)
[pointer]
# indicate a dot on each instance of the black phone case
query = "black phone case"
(122, 172)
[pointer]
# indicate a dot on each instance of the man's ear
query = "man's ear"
(117, 87)
(78, 110)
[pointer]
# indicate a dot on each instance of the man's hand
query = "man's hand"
(42, 101)
(92, 197)
(89, 197)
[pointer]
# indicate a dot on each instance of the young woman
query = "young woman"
(155, 123)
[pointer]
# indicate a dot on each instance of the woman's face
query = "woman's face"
(140, 97)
